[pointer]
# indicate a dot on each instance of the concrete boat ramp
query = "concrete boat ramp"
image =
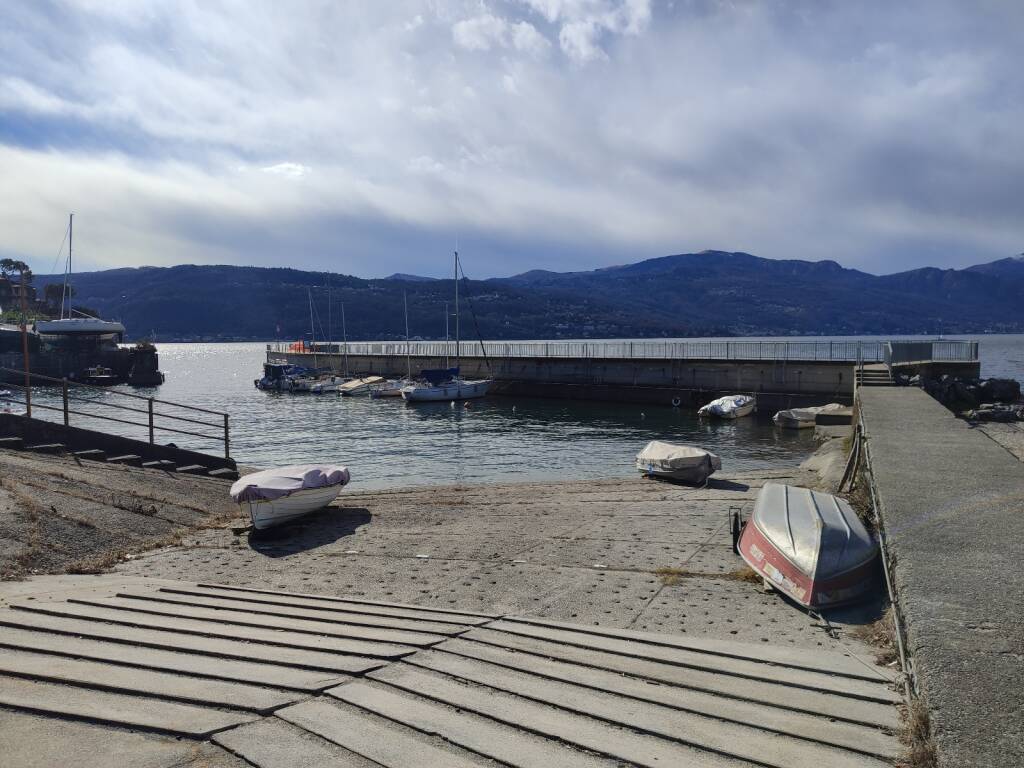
(110, 670)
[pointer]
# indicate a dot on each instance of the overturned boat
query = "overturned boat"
(275, 496)
(729, 407)
(803, 418)
(682, 463)
(810, 546)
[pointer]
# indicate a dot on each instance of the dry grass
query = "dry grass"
(918, 746)
(103, 562)
(880, 634)
(671, 576)
(746, 573)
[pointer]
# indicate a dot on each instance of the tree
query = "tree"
(9, 266)
(54, 295)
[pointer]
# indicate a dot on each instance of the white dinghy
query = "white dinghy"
(729, 407)
(803, 418)
(684, 463)
(275, 496)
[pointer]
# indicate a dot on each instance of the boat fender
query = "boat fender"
(675, 402)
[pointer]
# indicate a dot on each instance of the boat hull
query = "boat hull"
(728, 408)
(456, 390)
(835, 590)
(270, 513)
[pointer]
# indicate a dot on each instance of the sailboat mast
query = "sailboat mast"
(312, 327)
(344, 336)
(447, 338)
(458, 351)
(66, 293)
(408, 351)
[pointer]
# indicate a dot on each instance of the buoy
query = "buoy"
(643, 415)
(675, 402)
(452, 404)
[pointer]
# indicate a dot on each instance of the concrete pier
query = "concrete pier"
(781, 374)
(950, 500)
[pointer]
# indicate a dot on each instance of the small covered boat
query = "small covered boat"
(803, 418)
(810, 546)
(275, 496)
(361, 386)
(684, 463)
(391, 388)
(729, 407)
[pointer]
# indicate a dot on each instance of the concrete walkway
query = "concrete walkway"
(951, 502)
(161, 673)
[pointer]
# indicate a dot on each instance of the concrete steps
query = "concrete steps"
(873, 376)
(131, 459)
(282, 679)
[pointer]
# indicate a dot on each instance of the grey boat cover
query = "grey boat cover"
(272, 484)
(818, 533)
(668, 457)
(808, 413)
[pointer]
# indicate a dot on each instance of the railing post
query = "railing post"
(64, 387)
(227, 439)
(152, 437)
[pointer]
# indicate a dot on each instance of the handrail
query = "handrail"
(70, 394)
(852, 351)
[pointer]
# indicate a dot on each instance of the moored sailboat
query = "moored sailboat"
(448, 384)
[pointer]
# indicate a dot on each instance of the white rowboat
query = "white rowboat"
(803, 418)
(276, 496)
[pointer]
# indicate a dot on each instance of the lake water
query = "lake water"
(388, 443)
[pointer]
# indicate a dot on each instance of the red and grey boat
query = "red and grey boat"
(810, 546)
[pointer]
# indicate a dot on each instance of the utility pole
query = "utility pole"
(24, 344)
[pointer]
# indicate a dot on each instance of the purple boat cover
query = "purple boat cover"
(272, 484)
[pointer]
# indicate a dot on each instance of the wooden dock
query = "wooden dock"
(161, 673)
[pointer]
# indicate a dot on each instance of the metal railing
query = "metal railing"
(155, 421)
(937, 351)
(827, 351)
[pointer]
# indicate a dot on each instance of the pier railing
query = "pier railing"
(153, 417)
(937, 351)
(784, 351)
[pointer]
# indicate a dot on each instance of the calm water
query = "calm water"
(387, 443)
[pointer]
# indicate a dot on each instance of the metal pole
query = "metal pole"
(408, 351)
(24, 346)
(344, 336)
(458, 352)
(64, 382)
(151, 436)
(227, 439)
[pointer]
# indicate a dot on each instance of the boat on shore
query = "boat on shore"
(276, 496)
(804, 418)
(729, 407)
(810, 546)
(682, 463)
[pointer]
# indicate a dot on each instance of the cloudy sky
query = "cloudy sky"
(366, 137)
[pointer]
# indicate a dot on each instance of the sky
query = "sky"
(370, 137)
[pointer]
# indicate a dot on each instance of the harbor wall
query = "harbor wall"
(777, 384)
(949, 500)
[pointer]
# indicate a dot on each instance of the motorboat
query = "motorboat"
(391, 388)
(328, 385)
(360, 386)
(729, 407)
(278, 377)
(810, 546)
(445, 384)
(100, 376)
(684, 463)
(276, 496)
(803, 418)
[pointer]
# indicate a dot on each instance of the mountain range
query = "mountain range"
(695, 294)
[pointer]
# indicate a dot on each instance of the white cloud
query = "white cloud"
(481, 33)
(290, 170)
(881, 140)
